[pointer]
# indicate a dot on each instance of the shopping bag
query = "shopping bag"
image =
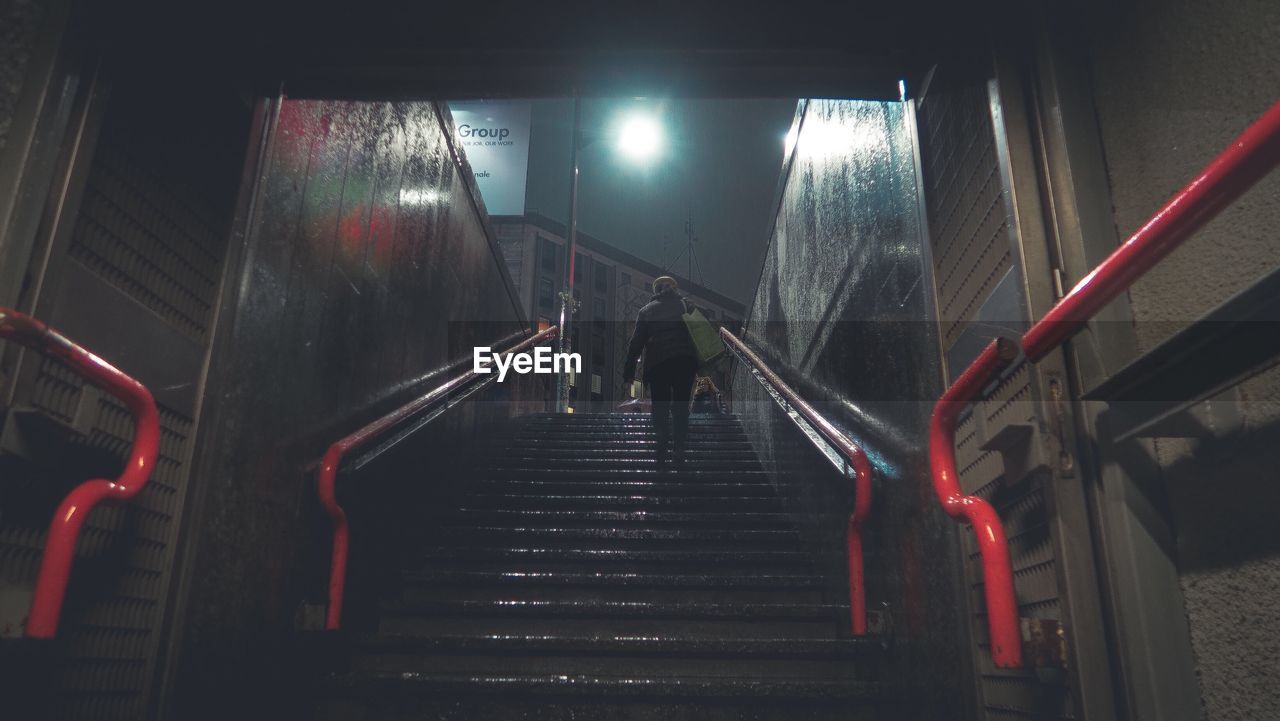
(706, 339)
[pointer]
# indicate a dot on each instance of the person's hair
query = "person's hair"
(664, 282)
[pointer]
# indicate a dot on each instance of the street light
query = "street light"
(639, 138)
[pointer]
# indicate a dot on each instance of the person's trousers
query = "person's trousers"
(670, 387)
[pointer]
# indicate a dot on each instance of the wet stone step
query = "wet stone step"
(702, 460)
(517, 579)
(550, 448)
(640, 429)
(519, 608)
(641, 423)
(620, 662)
(408, 622)
(637, 463)
(605, 594)
(702, 561)
(668, 474)
(383, 684)
(653, 487)
(605, 586)
(630, 536)
(621, 418)
(627, 645)
(577, 517)
(349, 704)
(587, 434)
(629, 501)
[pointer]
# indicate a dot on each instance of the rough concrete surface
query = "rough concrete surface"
(18, 23)
(1175, 83)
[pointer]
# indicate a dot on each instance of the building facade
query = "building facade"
(610, 286)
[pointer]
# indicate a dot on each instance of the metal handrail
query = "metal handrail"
(326, 480)
(1249, 158)
(852, 453)
(64, 529)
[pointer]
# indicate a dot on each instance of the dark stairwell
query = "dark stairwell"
(576, 580)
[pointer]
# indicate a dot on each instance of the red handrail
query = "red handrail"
(997, 570)
(862, 478)
(1248, 159)
(326, 481)
(64, 529)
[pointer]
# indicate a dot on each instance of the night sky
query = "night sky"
(721, 163)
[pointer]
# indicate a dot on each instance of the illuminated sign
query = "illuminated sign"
(494, 134)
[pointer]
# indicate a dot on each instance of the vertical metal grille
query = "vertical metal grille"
(1024, 510)
(969, 228)
(145, 240)
(112, 612)
(968, 223)
(157, 240)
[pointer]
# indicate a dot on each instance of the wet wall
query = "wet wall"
(366, 269)
(841, 312)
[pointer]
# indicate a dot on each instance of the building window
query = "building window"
(598, 309)
(546, 294)
(547, 250)
(597, 349)
(597, 386)
(624, 280)
(602, 279)
(579, 267)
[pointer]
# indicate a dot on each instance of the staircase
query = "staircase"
(579, 581)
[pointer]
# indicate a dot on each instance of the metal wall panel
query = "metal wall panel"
(968, 216)
(971, 231)
(149, 240)
(133, 274)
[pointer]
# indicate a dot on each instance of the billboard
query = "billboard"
(495, 136)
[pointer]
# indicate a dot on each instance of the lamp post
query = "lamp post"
(638, 138)
(568, 306)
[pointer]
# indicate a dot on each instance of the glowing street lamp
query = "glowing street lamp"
(640, 137)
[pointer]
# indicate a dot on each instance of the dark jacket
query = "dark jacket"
(661, 333)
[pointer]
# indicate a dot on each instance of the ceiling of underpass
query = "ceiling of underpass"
(385, 48)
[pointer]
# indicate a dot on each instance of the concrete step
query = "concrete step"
(546, 484)
(625, 443)
(550, 451)
(626, 498)
(592, 459)
(392, 682)
(605, 559)
(577, 518)
(392, 696)
(634, 537)
(601, 586)
(655, 657)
